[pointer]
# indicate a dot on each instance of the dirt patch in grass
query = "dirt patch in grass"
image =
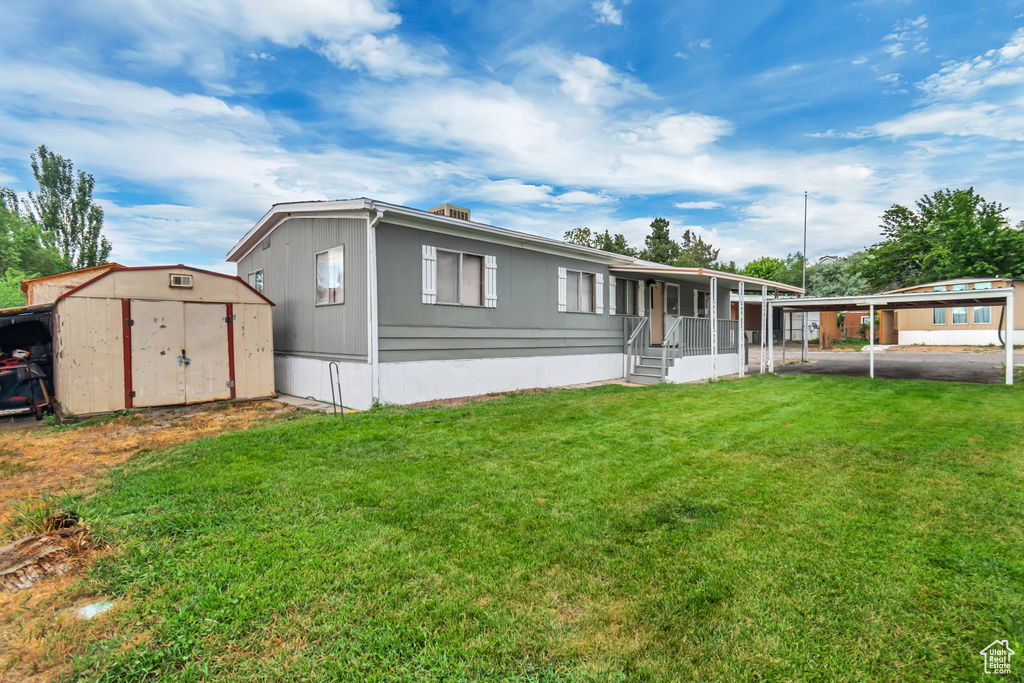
(39, 463)
(34, 462)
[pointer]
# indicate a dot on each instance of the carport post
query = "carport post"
(741, 333)
(803, 351)
(764, 326)
(1009, 334)
(771, 340)
(871, 338)
(785, 328)
(714, 328)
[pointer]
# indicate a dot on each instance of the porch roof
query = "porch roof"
(698, 275)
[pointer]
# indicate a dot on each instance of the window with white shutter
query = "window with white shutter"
(455, 278)
(577, 291)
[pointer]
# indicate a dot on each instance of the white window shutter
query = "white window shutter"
(611, 295)
(561, 290)
(429, 274)
(490, 282)
(599, 293)
(641, 294)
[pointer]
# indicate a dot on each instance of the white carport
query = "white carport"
(974, 297)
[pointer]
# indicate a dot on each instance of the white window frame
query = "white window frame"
(986, 309)
(593, 292)
(341, 248)
(483, 279)
(696, 300)
(679, 299)
(936, 310)
(966, 320)
(253, 282)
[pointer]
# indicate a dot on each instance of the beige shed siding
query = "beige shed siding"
(254, 351)
(89, 355)
(154, 285)
(46, 290)
(921, 318)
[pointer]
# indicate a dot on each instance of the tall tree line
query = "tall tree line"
(58, 228)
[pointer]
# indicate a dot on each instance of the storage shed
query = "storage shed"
(160, 335)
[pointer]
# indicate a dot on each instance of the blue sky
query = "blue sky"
(196, 115)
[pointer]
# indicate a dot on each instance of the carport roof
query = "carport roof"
(971, 297)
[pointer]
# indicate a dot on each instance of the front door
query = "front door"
(179, 353)
(657, 314)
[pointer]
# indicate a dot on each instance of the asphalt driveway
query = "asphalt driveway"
(978, 365)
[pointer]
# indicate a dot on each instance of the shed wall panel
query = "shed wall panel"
(254, 351)
(89, 356)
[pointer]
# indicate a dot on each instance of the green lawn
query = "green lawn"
(774, 529)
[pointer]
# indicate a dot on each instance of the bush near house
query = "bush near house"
(736, 531)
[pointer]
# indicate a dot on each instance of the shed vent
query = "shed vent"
(451, 211)
(181, 280)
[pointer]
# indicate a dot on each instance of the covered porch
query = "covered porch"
(677, 322)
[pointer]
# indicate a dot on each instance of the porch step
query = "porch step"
(645, 377)
(655, 359)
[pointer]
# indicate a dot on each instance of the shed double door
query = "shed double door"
(179, 352)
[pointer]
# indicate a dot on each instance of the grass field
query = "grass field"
(802, 528)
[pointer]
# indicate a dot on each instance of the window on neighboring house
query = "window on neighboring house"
(702, 304)
(938, 314)
(460, 278)
(983, 314)
(255, 280)
(959, 312)
(625, 296)
(330, 276)
(579, 291)
(672, 299)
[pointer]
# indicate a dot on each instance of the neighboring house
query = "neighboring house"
(416, 306)
(790, 325)
(977, 325)
(48, 288)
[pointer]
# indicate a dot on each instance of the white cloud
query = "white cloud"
(590, 82)
(382, 57)
(969, 78)
(607, 12)
(906, 35)
(698, 205)
(700, 44)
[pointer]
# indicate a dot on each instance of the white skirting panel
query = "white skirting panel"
(954, 337)
(696, 368)
(417, 381)
(310, 377)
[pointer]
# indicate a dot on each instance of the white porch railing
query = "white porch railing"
(636, 331)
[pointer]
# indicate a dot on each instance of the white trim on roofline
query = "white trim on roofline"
(424, 220)
(886, 301)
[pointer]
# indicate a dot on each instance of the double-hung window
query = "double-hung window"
(625, 296)
(330, 276)
(702, 304)
(983, 314)
(938, 314)
(460, 278)
(672, 299)
(579, 291)
(959, 312)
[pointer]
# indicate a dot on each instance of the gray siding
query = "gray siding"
(526, 321)
(287, 257)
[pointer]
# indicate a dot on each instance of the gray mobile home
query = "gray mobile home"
(417, 306)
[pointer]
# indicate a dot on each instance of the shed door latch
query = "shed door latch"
(129, 322)
(183, 359)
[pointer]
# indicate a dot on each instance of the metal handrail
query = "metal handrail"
(666, 343)
(631, 344)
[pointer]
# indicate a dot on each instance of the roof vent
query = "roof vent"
(181, 280)
(451, 211)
